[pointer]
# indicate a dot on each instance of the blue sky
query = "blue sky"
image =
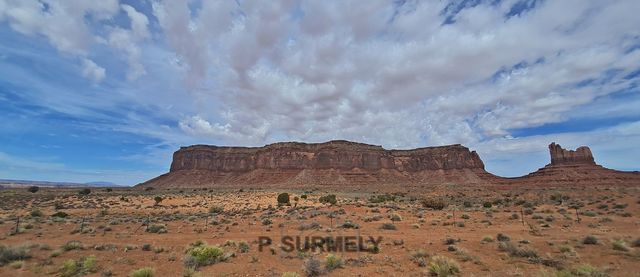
(106, 91)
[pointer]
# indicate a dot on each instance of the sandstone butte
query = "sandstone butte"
(368, 167)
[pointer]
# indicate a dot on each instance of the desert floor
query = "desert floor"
(543, 231)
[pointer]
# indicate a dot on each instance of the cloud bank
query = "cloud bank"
(492, 75)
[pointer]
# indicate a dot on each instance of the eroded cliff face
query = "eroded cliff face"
(333, 162)
(559, 156)
(338, 155)
(344, 164)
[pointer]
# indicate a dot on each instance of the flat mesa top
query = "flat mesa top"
(332, 143)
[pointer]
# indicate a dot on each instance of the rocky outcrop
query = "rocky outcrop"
(345, 164)
(582, 155)
(339, 155)
(333, 162)
(573, 167)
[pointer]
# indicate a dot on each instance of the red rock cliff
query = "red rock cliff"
(340, 155)
(337, 163)
(582, 155)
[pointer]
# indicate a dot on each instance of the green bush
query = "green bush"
(157, 229)
(84, 191)
(85, 265)
(143, 272)
(72, 245)
(9, 254)
(202, 255)
(35, 213)
(442, 266)
(620, 245)
(243, 246)
(33, 189)
(487, 204)
(332, 262)
(330, 198)
(283, 198)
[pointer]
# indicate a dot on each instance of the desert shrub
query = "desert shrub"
(143, 272)
(266, 221)
(312, 225)
(202, 254)
(16, 264)
(388, 226)
(467, 204)
(487, 204)
(566, 249)
(329, 198)
(374, 217)
(35, 213)
(290, 274)
(396, 217)
(420, 257)
(590, 240)
(108, 189)
(33, 189)
(84, 191)
(157, 229)
(465, 216)
(443, 266)
(502, 237)
(60, 214)
(434, 204)
(589, 271)
(243, 246)
(620, 245)
(9, 254)
(72, 245)
(487, 239)
(636, 243)
(146, 247)
(312, 267)
(350, 225)
(619, 206)
(158, 199)
(216, 209)
(304, 196)
(85, 265)
(283, 198)
(332, 262)
(516, 251)
(382, 198)
(150, 189)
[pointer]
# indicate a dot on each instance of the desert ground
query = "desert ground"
(439, 231)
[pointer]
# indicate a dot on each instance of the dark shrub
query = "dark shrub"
(60, 214)
(84, 191)
(435, 204)
(33, 189)
(330, 198)
(283, 198)
(590, 240)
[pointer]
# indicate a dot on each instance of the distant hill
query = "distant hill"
(6, 183)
